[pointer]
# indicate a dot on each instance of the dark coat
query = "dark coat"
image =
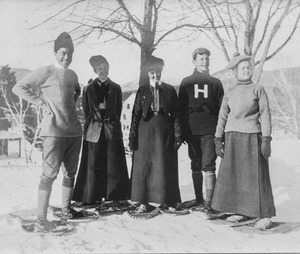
(103, 170)
(111, 120)
(155, 162)
(142, 107)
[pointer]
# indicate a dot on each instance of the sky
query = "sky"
(21, 47)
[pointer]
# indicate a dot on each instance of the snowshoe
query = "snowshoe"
(144, 212)
(172, 210)
(73, 215)
(111, 208)
(43, 228)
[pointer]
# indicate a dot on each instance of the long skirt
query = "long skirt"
(102, 172)
(243, 184)
(155, 163)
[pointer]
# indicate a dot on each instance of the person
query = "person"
(103, 171)
(200, 97)
(154, 138)
(243, 186)
(56, 89)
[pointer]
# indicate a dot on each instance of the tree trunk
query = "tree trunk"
(147, 39)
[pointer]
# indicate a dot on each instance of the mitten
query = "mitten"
(177, 143)
(266, 146)
(133, 144)
(219, 147)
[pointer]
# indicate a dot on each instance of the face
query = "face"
(64, 57)
(201, 62)
(102, 71)
(154, 75)
(244, 70)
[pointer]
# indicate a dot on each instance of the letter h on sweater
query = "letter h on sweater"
(197, 91)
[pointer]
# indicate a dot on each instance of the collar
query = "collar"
(204, 73)
(100, 82)
(244, 82)
(153, 83)
(59, 67)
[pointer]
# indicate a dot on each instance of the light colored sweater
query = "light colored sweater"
(245, 108)
(58, 89)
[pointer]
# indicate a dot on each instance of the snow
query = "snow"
(122, 234)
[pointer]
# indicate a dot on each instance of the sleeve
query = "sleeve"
(223, 116)
(85, 103)
(175, 114)
(264, 111)
(183, 110)
(136, 116)
(220, 93)
(119, 102)
(29, 88)
(77, 89)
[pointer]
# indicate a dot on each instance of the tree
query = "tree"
(251, 27)
(21, 114)
(146, 28)
(284, 100)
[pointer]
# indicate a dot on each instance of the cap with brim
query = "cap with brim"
(201, 51)
(96, 60)
(237, 58)
(154, 63)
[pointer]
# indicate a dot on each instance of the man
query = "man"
(55, 88)
(200, 97)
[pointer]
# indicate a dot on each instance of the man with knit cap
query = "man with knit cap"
(200, 97)
(55, 89)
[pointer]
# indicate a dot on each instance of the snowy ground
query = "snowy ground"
(120, 233)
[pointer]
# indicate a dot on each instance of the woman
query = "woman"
(243, 186)
(155, 138)
(103, 171)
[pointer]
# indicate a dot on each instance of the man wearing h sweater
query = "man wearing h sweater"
(200, 97)
(55, 88)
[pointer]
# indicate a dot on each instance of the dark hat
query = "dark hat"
(236, 59)
(154, 63)
(201, 51)
(96, 60)
(64, 40)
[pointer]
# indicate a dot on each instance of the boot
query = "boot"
(210, 181)
(67, 193)
(43, 203)
(198, 182)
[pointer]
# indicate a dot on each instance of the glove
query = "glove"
(177, 143)
(266, 146)
(133, 144)
(219, 147)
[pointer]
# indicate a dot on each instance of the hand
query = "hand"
(133, 144)
(219, 147)
(177, 143)
(266, 146)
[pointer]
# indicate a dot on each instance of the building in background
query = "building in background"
(126, 116)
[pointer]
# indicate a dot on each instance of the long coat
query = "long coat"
(111, 120)
(155, 162)
(103, 171)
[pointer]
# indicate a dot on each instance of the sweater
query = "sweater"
(245, 108)
(55, 89)
(200, 98)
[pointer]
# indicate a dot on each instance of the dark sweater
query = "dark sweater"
(200, 98)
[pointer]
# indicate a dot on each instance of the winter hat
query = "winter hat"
(201, 51)
(64, 40)
(154, 63)
(236, 59)
(96, 60)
